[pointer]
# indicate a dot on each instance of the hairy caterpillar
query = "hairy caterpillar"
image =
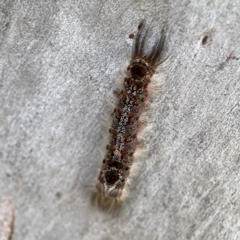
(110, 189)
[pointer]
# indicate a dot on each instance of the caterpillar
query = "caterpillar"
(111, 186)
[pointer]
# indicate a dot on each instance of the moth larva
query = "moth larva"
(112, 181)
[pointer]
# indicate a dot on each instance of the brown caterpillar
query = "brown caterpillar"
(110, 189)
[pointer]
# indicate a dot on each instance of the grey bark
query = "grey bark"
(58, 63)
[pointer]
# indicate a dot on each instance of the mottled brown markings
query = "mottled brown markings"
(116, 164)
(125, 122)
(138, 71)
(112, 176)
